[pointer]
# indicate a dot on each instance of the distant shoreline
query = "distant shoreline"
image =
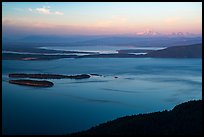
(189, 51)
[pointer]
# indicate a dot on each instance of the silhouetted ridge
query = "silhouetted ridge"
(184, 119)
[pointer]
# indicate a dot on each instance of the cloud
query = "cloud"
(45, 10)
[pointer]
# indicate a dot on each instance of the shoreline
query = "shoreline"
(189, 51)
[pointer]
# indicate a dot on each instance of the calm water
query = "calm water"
(143, 85)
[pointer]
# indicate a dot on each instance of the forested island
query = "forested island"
(48, 76)
(35, 83)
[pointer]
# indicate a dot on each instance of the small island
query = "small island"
(34, 83)
(48, 76)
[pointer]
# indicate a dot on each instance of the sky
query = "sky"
(100, 18)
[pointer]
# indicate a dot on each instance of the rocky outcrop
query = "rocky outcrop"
(34, 83)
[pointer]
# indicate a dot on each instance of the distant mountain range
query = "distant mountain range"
(142, 41)
(151, 33)
(146, 38)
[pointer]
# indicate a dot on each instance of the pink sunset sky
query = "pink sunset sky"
(95, 18)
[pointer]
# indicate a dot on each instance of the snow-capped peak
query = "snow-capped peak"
(147, 32)
(150, 33)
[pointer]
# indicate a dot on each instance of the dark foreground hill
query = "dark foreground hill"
(183, 119)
